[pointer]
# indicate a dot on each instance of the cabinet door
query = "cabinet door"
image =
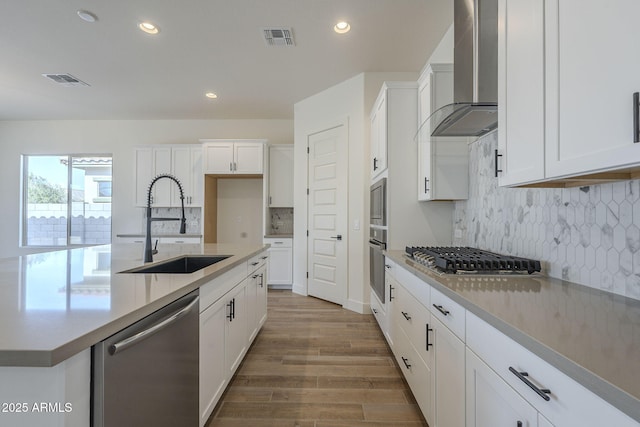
(280, 176)
(491, 402)
(521, 89)
(197, 177)
(251, 298)
(592, 72)
(143, 173)
(449, 373)
(248, 157)
(218, 157)
(424, 142)
(213, 375)
(181, 167)
(379, 138)
(236, 327)
(162, 165)
(280, 265)
(261, 295)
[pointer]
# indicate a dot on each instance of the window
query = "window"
(66, 200)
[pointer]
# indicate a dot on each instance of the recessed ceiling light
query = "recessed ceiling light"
(148, 28)
(87, 16)
(342, 27)
(211, 95)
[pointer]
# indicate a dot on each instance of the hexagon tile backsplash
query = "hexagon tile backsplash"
(587, 235)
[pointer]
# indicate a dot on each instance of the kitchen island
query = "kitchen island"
(54, 306)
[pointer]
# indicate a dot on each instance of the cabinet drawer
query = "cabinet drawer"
(416, 372)
(390, 267)
(257, 261)
(178, 240)
(415, 286)
(413, 318)
(569, 402)
(450, 313)
(279, 243)
(216, 288)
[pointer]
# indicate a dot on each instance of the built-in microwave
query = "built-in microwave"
(378, 200)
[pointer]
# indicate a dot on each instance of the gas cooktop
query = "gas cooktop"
(466, 260)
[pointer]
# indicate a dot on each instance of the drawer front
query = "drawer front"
(279, 243)
(257, 261)
(390, 267)
(416, 287)
(450, 313)
(178, 240)
(569, 402)
(417, 374)
(413, 318)
(216, 288)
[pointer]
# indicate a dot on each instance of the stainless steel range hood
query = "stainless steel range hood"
(474, 111)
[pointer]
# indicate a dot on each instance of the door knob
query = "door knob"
(338, 237)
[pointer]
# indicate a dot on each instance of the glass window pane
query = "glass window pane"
(90, 207)
(46, 201)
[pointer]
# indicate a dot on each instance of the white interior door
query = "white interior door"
(327, 217)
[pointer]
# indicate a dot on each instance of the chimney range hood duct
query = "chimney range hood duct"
(474, 111)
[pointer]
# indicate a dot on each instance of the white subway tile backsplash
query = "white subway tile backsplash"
(588, 235)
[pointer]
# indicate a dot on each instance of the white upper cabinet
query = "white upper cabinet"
(281, 176)
(592, 71)
(566, 91)
(520, 91)
(379, 135)
(182, 161)
(233, 157)
(443, 162)
(186, 165)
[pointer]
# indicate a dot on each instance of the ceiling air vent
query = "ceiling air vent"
(278, 36)
(65, 80)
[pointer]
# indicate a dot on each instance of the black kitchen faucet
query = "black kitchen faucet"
(148, 252)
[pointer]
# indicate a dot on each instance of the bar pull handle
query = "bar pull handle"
(519, 424)
(427, 336)
(406, 315)
(230, 315)
(406, 362)
(391, 288)
(542, 392)
(375, 163)
(132, 340)
(441, 310)
(426, 181)
(231, 166)
(495, 158)
(636, 117)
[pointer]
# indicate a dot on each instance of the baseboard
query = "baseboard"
(280, 287)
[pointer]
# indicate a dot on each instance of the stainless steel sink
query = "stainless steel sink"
(183, 265)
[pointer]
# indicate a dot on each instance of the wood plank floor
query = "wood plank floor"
(315, 364)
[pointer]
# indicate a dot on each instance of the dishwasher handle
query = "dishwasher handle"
(132, 340)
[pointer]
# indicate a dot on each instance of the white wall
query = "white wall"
(352, 101)
(240, 211)
(116, 137)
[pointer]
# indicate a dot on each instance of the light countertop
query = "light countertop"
(160, 235)
(56, 304)
(591, 335)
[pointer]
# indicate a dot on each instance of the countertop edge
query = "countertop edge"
(50, 358)
(607, 391)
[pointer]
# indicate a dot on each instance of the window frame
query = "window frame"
(24, 190)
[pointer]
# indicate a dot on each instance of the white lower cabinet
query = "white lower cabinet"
(449, 371)
(213, 375)
(233, 308)
(281, 261)
(491, 402)
(567, 403)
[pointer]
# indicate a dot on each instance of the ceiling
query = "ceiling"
(203, 45)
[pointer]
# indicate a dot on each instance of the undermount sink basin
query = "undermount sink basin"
(182, 265)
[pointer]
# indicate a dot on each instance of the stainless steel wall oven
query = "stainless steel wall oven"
(377, 243)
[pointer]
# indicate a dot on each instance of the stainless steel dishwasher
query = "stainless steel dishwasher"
(147, 374)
